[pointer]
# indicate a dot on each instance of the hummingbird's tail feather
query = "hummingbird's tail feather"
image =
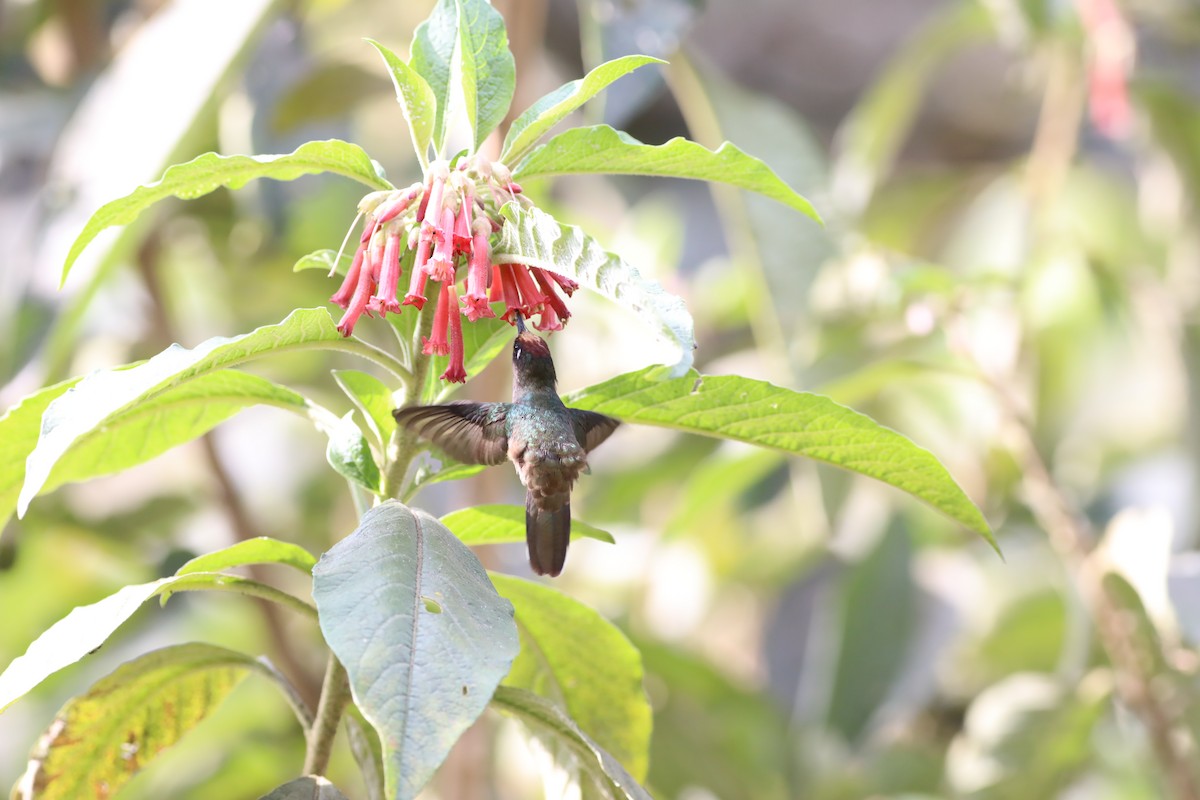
(547, 533)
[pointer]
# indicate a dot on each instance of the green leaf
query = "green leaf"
(211, 171)
(310, 787)
(142, 431)
(548, 721)
(424, 637)
(800, 423)
(19, 428)
(259, 550)
(602, 149)
(535, 238)
(101, 739)
(88, 627)
(438, 469)
(483, 340)
(325, 260)
(553, 108)
(350, 455)
(463, 46)
(104, 397)
(416, 100)
(574, 657)
(499, 524)
(373, 398)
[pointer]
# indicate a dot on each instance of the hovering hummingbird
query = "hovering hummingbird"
(547, 442)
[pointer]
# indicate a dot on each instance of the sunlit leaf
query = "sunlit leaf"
(553, 108)
(324, 260)
(800, 423)
(86, 628)
(602, 149)
(211, 171)
(574, 657)
(350, 455)
(259, 550)
(463, 46)
(535, 238)
(179, 414)
(415, 97)
(100, 740)
(19, 429)
(424, 637)
(500, 524)
(104, 397)
(373, 398)
(545, 719)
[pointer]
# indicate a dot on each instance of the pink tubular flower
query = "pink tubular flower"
(441, 266)
(555, 312)
(389, 276)
(532, 298)
(475, 301)
(436, 344)
(1111, 58)
(455, 371)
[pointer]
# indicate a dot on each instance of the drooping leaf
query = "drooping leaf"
(142, 431)
(350, 455)
(259, 550)
(88, 627)
(535, 238)
(500, 524)
(104, 737)
(463, 47)
(483, 340)
(211, 171)
(545, 719)
(416, 99)
(800, 423)
(373, 398)
(601, 149)
(19, 428)
(103, 397)
(325, 260)
(424, 637)
(438, 469)
(574, 657)
(553, 108)
(310, 787)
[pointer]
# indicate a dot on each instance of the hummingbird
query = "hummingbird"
(545, 440)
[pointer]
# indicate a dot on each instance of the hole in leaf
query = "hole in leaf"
(431, 605)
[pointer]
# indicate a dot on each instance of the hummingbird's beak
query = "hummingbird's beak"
(520, 321)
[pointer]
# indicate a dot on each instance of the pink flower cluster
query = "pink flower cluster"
(1111, 59)
(447, 222)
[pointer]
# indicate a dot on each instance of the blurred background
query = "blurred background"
(1009, 275)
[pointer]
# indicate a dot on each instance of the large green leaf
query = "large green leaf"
(533, 237)
(19, 428)
(100, 740)
(179, 414)
(424, 637)
(605, 150)
(211, 171)
(549, 722)
(259, 550)
(800, 423)
(88, 627)
(415, 98)
(574, 657)
(108, 396)
(499, 524)
(310, 787)
(553, 108)
(463, 47)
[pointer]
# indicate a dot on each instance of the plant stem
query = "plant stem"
(335, 695)
(402, 446)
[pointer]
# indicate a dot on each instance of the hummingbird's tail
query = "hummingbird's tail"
(547, 533)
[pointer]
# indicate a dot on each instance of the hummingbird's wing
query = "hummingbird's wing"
(591, 428)
(469, 432)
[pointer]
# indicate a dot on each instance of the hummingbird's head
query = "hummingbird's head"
(532, 363)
